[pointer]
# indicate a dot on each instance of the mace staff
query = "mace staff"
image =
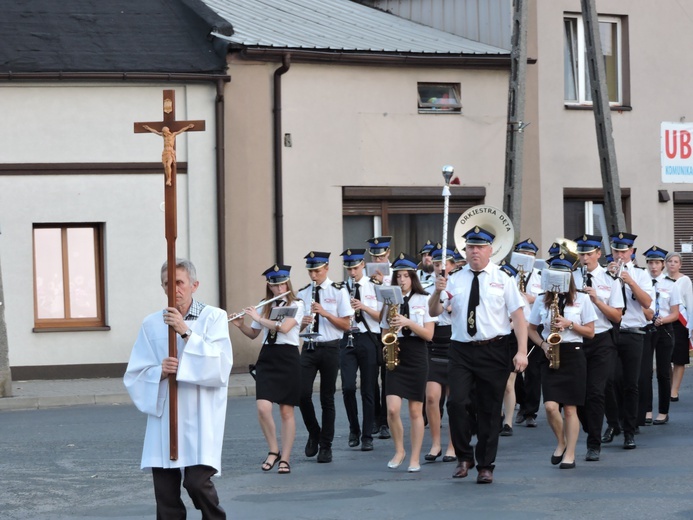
(448, 172)
(169, 128)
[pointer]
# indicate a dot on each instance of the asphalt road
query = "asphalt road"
(83, 463)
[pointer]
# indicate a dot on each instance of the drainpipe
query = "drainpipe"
(277, 149)
(221, 195)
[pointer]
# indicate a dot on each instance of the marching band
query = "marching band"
(582, 333)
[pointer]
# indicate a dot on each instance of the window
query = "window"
(68, 276)
(439, 98)
(410, 215)
(576, 74)
(584, 212)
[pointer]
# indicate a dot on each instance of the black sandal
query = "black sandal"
(266, 466)
(285, 469)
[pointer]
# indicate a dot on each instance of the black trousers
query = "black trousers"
(324, 359)
(600, 354)
(380, 390)
(197, 482)
(528, 383)
(478, 374)
(659, 344)
(362, 357)
(622, 392)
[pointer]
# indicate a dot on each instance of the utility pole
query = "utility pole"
(512, 195)
(5, 373)
(613, 208)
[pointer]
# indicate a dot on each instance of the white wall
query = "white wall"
(87, 123)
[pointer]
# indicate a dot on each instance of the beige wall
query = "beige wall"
(350, 126)
(561, 144)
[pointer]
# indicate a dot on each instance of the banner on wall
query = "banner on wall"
(677, 152)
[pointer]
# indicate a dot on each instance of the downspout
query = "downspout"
(221, 198)
(277, 149)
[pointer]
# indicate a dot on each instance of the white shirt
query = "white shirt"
(581, 312)
(686, 291)
(634, 316)
(370, 300)
(333, 300)
(532, 287)
(418, 312)
(499, 297)
(205, 363)
(291, 337)
(444, 318)
(667, 294)
(608, 292)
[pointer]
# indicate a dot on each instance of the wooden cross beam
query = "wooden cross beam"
(169, 128)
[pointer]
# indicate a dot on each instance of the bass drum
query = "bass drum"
(491, 219)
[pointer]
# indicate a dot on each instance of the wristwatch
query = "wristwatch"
(188, 332)
(570, 327)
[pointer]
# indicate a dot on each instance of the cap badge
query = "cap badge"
(312, 255)
(584, 237)
(349, 252)
(476, 229)
(276, 267)
(401, 256)
(620, 235)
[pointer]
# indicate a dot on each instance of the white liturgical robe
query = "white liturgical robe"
(205, 362)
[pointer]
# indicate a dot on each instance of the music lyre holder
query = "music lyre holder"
(391, 295)
(372, 268)
(280, 313)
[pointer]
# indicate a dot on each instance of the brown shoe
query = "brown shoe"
(462, 469)
(485, 476)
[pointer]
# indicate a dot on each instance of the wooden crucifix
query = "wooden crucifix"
(169, 128)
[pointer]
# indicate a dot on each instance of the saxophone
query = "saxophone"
(554, 339)
(391, 348)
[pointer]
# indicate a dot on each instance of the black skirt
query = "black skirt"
(438, 355)
(681, 354)
(568, 384)
(408, 379)
(278, 374)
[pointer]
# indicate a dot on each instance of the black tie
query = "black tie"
(404, 311)
(357, 296)
(625, 301)
(588, 280)
(472, 305)
(316, 321)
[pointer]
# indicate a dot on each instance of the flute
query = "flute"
(258, 306)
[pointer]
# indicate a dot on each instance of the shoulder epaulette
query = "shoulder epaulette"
(304, 288)
(338, 285)
(455, 270)
(375, 281)
(638, 267)
(669, 278)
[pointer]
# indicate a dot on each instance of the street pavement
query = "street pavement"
(63, 458)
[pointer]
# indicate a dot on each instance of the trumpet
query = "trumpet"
(258, 306)
(310, 335)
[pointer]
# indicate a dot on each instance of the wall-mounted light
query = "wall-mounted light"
(663, 195)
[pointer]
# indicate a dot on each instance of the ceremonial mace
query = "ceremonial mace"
(448, 172)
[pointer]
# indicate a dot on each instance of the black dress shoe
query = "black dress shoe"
(661, 421)
(449, 458)
(506, 431)
(628, 441)
(367, 445)
(648, 421)
(592, 454)
(354, 440)
(384, 432)
(674, 399)
(312, 447)
(485, 476)
(325, 455)
(609, 434)
(567, 465)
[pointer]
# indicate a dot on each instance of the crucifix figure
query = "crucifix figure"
(169, 128)
(168, 156)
